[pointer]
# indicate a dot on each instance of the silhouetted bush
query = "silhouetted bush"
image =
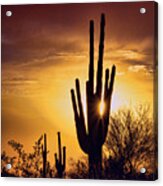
(131, 144)
(25, 164)
(78, 169)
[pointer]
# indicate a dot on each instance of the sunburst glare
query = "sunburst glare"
(101, 107)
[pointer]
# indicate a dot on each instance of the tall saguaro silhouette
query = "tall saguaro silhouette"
(60, 161)
(92, 138)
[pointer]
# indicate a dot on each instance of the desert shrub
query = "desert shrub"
(78, 169)
(25, 164)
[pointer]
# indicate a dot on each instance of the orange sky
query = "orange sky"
(45, 47)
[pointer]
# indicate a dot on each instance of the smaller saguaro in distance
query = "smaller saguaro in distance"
(60, 158)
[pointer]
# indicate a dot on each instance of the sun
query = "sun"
(101, 107)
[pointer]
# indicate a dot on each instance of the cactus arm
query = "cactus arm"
(56, 159)
(112, 80)
(59, 148)
(107, 99)
(100, 60)
(91, 64)
(105, 121)
(64, 157)
(79, 121)
(42, 148)
(76, 116)
(45, 143)
(80, 103)
(88, 100)
(106, 83)
(90, 82)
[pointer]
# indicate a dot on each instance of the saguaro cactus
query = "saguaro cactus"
(91, 140)
(44, 156)
(60, 161)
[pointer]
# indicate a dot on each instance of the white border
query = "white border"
(41, 182)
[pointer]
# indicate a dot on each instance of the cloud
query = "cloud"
(132, 54)
(19, 81)
(56, 36)
(137, 68)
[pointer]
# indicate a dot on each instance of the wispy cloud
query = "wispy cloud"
(137, 68)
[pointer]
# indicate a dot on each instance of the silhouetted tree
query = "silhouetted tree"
(131, 144)
(5, 160)
(25, 164)
(91, 140)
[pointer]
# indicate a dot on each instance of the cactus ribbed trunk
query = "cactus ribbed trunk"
(95, 164)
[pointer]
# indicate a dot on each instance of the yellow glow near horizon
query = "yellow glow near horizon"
(42, 110)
